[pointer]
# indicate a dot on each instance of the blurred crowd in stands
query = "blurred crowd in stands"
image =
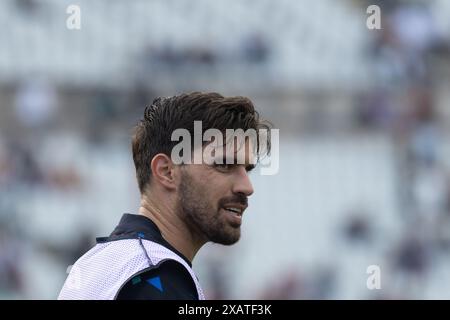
(406, 56)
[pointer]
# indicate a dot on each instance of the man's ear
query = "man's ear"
(163, 170)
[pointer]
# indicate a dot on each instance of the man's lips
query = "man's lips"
(235, 208)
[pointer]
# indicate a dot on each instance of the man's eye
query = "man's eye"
(224, 166)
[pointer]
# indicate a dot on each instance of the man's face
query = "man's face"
(212, 198)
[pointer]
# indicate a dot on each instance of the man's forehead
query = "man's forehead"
(236, 145)
(241, 150)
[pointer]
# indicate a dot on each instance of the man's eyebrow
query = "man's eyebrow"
(250, 167)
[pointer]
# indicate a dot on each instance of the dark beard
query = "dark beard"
(201, 217)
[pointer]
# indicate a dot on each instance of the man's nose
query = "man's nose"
(243, 184)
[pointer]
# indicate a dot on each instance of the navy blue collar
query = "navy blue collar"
(134, 226)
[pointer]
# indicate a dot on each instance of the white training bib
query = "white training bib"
(102, 271)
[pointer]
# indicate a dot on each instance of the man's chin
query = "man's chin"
(228, 239)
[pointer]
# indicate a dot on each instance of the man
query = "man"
(183, 205)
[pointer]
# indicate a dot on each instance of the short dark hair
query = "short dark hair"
(152, 135)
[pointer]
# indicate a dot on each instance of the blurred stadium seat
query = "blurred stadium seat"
(363, 118)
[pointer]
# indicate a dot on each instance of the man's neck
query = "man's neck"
(172, 228)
